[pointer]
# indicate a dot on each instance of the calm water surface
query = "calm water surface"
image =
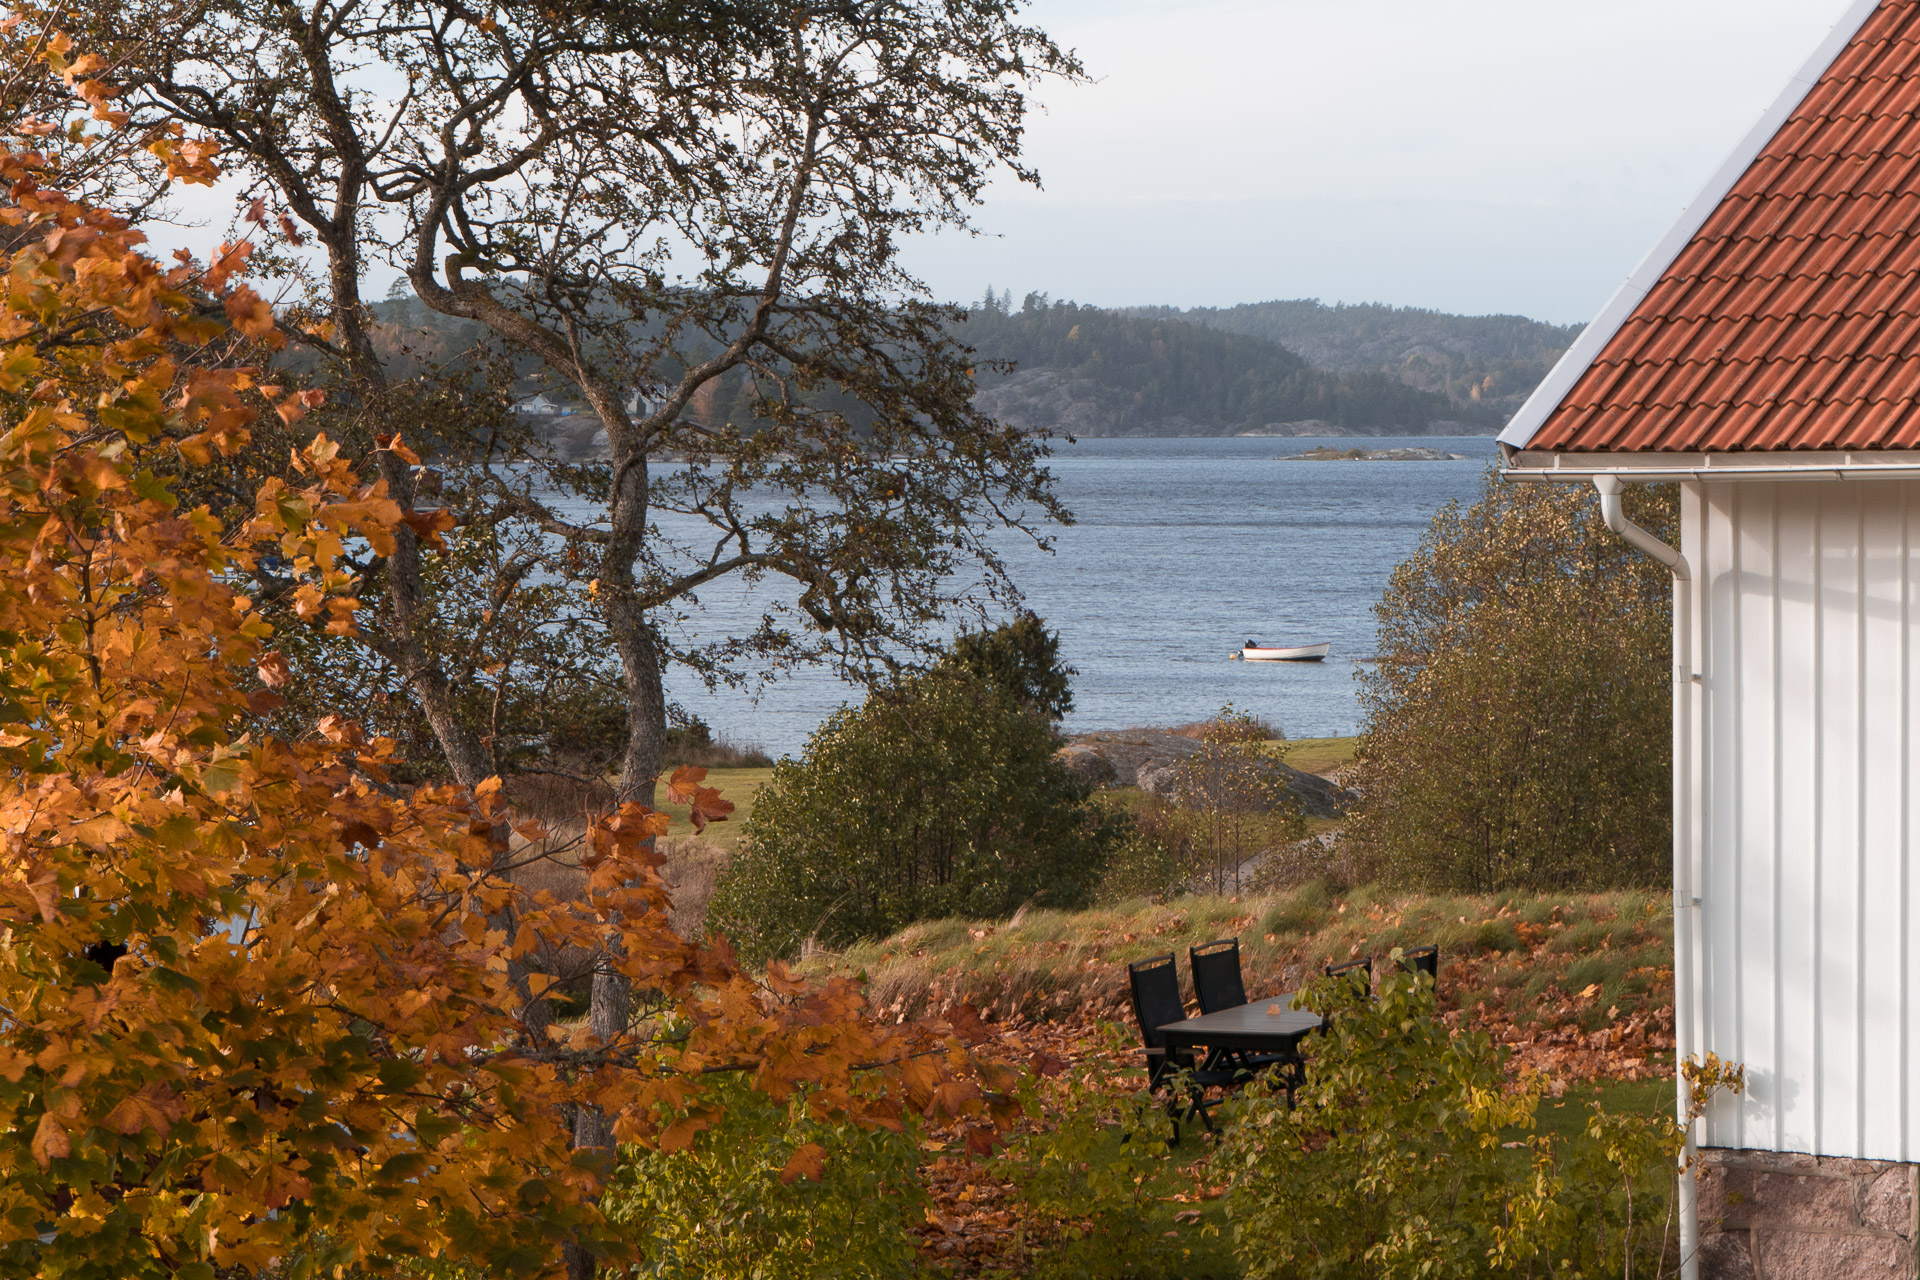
(1183, 549)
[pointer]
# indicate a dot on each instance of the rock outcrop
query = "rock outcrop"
(1150, 759)
(1089, 765)
(1415, 454)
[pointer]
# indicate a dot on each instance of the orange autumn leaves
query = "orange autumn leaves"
(704, 804)
(321, 1032)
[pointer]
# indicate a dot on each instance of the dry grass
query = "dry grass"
(722, 753)
(558, 799)
(693, 866)
(1577, 963)
(692, 870)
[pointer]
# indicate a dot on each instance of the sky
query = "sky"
(1473, 156)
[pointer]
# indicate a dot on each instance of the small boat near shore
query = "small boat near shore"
(1253, 652)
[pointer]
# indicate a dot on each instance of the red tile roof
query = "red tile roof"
(1791, 319)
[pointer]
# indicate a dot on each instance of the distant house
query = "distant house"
(539, 406)
(638, 404)
(1766, 356)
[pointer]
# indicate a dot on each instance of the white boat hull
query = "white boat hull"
(1298, 653)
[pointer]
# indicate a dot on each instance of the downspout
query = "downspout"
(1684, 902)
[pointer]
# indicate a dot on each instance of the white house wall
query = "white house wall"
(1808, 596)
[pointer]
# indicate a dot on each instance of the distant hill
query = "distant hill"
(1095, 372)
(1265, 368)
(1486, 366)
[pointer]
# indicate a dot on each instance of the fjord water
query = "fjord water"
(1182, 550)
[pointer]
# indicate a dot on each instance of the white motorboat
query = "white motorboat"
(1296, 653)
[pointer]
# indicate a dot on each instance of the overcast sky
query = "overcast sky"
(1468, 155)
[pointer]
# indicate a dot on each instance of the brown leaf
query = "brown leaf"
(705, 805)
(807, 1162)
(249, 312)
(679, 1135)
(783, 980)
(684, 783)
(966, 1023)
(428, 525)
(273, 670)
(155, 1107)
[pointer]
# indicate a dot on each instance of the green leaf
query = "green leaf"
(400, 1074)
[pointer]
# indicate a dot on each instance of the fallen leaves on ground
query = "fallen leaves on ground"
(978, 1224)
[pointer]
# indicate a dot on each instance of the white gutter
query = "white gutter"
(1685, 904)
(1673, 475)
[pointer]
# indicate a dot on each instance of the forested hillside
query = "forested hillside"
(1280, 368)
(1094, 372)
(1485, 365)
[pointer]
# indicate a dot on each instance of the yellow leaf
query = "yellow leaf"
(223, 777)
(50, 1141)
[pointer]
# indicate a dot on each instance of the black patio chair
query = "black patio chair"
(1218, 983)
(1216, 975)
(1422, 960)
(1360, 971)
(1155, 984)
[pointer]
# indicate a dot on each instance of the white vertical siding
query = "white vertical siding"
(1808, 604)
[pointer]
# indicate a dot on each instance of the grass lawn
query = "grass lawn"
(1566, 1116)
(1319, 755)
(737, 785)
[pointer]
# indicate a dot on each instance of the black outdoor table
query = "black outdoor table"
(1248, 1027)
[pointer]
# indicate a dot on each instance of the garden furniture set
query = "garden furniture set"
(1243, 1039)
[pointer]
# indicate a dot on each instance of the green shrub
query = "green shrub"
(1154, 858)
(1089, 1180)
(941, 797)
(1020, 658)
(732, 1207)
(1392, 1164)
(1518, 720)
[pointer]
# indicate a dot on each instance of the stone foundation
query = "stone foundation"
(1767, 1216)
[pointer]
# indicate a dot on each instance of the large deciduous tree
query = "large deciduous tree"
(257, 1002)
(1518, 721)
(689, 214)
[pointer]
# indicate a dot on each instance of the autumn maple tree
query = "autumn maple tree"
(258, 1001)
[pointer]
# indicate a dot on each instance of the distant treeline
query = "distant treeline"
(1291, 367)
(1486, 366)
(1098, 372)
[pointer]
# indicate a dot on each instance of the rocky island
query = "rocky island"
(1328, 454)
